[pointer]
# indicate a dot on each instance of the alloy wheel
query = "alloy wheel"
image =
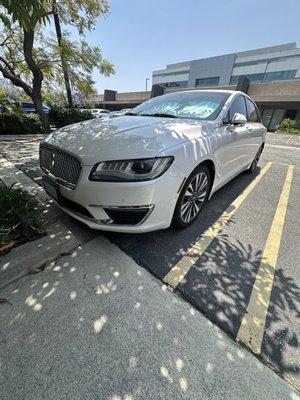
(194, 197)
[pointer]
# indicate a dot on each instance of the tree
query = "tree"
(25, 16)
(29, 58)
(81, 14)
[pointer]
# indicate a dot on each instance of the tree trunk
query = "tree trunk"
(36, 93)
(38, 104)
(63, 62)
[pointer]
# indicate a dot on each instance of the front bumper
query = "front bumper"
(97, 204)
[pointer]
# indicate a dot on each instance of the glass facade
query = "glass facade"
(163, 74)
(212, 81)
(266, 77)
(180, 84)
(264, 61)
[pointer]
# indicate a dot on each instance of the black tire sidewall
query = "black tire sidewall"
(177, 221)
(254, 163)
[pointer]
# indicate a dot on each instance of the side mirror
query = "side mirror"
(238, 119)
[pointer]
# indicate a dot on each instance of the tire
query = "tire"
(254, 163)
(192, 198)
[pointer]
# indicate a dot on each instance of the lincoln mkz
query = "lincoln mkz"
(157, 165)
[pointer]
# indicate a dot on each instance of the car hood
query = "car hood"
(125, 137)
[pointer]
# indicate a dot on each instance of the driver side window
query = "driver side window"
(238, 106)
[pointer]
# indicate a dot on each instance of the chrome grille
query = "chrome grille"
(62, 165)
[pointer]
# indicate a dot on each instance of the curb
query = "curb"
(64, 234)
(12, 175)
(23, 259)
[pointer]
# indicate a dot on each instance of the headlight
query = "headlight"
(130, 170)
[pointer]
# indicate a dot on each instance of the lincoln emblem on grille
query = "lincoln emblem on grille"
(52, 160)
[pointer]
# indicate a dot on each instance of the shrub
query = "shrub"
(61, 116)
(288, 125)
(20, 219)
(15, 123)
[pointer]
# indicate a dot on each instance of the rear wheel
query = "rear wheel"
(253, 166)
(192, 197)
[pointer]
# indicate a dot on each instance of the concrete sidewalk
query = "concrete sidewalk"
(97, 326)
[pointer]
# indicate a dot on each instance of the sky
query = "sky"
(139, 36)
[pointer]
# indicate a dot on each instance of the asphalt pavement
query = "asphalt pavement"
(96, 326)
(220, 284)
(238, 266)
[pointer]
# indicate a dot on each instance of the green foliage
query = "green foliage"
(61, 116)
(82, 14)
(26, 12)
(288, 125)
(3, 96)
(80, 57)
(20, 219)
(16, 123)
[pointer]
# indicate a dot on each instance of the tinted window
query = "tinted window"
(238, 106)
(252, 113)
(27, 105)
(207, 81)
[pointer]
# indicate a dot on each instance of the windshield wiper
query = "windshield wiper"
(159, 115)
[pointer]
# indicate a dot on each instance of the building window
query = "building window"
(268, 77)
(178, 84)
(212, 81)
(163, 74)
(264, 61)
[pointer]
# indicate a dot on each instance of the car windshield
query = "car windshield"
(196, 105)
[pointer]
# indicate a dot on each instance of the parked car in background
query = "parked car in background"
(155, 166)
(97, 112)
(28, 107)
(113, 114)
(3, 109)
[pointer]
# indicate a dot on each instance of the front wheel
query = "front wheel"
(192, 198)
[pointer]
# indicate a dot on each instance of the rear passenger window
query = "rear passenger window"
(238, 106)
(252, 112)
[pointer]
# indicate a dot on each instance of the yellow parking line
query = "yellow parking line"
(253, 324)
(179, 271)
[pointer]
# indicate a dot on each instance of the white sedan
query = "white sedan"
(97, 112)
(157, 165)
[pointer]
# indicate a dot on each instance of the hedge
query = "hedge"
(288, 125)
(14, 123)
(61, 116)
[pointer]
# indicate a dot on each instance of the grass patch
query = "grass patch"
(20, 219)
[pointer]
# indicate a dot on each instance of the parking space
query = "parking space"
(238, 263)
(284, 140)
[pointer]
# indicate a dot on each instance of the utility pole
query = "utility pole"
(63, 62)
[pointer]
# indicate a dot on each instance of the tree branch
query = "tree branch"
(16, 80)
(8, 66)
(28, 50)
(5, 40)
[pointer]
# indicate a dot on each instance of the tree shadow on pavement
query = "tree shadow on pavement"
(159, 251)
(281, 341)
